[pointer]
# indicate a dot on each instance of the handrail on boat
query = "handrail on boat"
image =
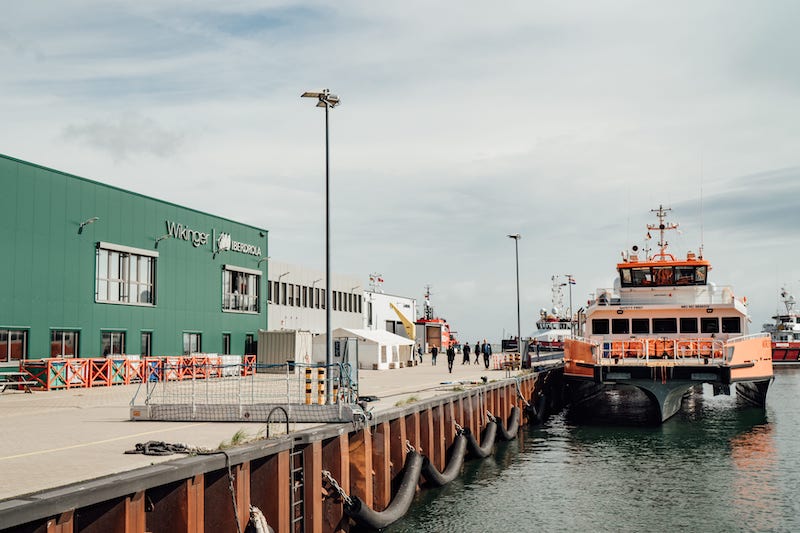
(747, 337)
(662, 348)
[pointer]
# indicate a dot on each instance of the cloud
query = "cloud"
(458, 125)
(126, 136)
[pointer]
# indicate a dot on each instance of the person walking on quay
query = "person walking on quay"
(487, 352)
(419, 352)
(451, 357)
(478, 351)
(466, 349)
(434, 353)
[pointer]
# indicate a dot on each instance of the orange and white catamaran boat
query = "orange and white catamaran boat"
(663, 329)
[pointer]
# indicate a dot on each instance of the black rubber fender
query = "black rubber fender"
(513, 425)
(366, 516)
(453, 468)
(489, 434)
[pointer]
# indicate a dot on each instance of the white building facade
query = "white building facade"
(296, 299)
(389, 312)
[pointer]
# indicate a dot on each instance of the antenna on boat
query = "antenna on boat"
(661, 213)
(702, 239)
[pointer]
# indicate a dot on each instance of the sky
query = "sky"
(459, 123)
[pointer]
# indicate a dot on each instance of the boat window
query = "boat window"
(620, 325)
(599, 326)
(709, 325)
(689, 325)
(641, 276)
(700, 275)
(625, 276)
(665, 325)
(731, 324)
(684, 275)
(640, 325)
(663, 275)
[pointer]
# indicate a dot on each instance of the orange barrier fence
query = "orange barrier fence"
(73, 373)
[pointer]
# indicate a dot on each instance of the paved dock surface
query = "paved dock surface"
(54, 438)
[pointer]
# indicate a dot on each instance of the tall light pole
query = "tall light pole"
(516, 238)
(327, 100)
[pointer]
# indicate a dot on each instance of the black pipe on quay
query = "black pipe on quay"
(438, 479)
(366, 516)
(512, 424)
(489, 434)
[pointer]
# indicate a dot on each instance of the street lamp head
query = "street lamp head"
(262, 260)
(326, 99)
(516, 236)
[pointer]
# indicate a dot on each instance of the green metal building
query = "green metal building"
(89, 270)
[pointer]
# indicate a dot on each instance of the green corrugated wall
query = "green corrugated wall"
(47, 269)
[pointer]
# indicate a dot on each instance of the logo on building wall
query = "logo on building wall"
(224, 242)
(179, 231)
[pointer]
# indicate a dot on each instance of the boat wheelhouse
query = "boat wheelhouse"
(785, 333)
(664, 328)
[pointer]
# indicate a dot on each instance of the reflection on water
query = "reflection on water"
(715, 466)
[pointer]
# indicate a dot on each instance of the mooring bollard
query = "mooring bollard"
(308, 386)
(321, 386)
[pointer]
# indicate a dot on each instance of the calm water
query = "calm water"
(715, 466)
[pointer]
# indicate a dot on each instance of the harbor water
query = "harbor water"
(715, 466)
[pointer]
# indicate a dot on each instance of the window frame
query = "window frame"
(616, 330)
(726, 329)
(74, 333)
(673, 321)
(6, 355)
(119, 261)
(596, 322)
(234, 301)
(637, 330)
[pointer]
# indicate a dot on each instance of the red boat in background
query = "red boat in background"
(433, 330)
(785, 334)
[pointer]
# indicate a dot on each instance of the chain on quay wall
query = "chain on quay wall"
(322, 479)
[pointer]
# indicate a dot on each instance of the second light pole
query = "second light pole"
(516, 238)
(327, 100)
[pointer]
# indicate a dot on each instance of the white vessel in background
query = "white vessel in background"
(785, 333)
(556, 324)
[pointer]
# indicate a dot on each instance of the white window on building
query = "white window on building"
(13, 345)
(147, 344)
(113, 343)
(125, 275)
(240, 289)
(191, 343)
(64, 343)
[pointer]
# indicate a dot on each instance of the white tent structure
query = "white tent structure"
(377, 349)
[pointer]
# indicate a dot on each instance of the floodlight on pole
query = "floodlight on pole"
(327, 100)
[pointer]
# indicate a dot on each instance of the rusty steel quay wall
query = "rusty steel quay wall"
(193, 494)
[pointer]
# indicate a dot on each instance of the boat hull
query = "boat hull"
(786, 353)
(664, 381)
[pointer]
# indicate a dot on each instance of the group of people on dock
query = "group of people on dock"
(481, 348)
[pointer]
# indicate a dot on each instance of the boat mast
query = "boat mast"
(661, 213)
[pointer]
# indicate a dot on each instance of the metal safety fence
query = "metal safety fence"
(229, 393)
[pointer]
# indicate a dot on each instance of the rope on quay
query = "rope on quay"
(458, 451)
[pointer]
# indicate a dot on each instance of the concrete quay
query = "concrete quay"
(55, 438)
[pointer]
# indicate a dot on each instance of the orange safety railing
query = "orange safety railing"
(56, 373)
